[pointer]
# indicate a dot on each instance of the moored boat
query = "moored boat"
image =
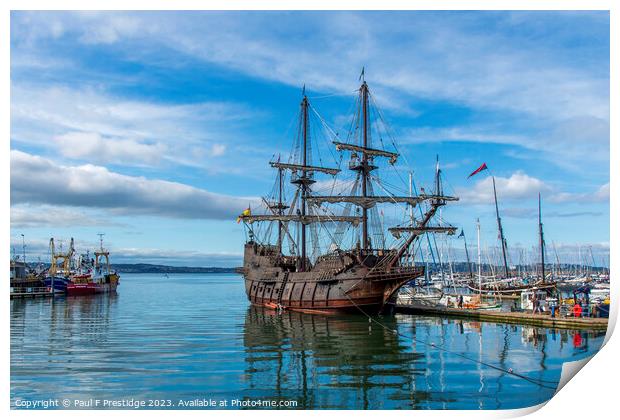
(101, 278)
(58, 276)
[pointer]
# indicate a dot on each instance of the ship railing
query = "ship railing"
(381, 272)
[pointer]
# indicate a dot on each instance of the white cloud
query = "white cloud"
(29, 216)
(93, 126)
(38, 180)
(518, 186)
(477, 134)
(564, 103)
(600, 195)
(532, 213)
(109, 28)
(217, 150)
(568, 143)
(95, 148)
(433, 55)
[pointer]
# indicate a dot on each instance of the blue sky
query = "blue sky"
(156, 127)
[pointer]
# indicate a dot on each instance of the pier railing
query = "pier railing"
(23, 291)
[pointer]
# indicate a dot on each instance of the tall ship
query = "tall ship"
(320, 245)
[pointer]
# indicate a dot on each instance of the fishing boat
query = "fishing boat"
(101, 279)
(58, 276)
(83, 269)
(323, 271)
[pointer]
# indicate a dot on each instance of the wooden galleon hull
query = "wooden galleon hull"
(336, 283)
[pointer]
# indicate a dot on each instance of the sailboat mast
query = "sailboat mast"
(364, 168)
(479, 257)
(542, 240)
(304, 187)
(471, 274)
(501, 230)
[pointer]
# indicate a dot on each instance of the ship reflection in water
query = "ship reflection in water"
(195, 336)
(335, 362)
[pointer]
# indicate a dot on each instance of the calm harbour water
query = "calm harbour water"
(190, 337)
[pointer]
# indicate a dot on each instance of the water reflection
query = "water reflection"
(196, 337)
(85, 316)
(336, 362)
(328, 361)
(58, 338)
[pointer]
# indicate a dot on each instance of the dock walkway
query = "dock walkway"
(31, 292)
(542, 320)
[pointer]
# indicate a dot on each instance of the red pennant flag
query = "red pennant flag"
(480, 169)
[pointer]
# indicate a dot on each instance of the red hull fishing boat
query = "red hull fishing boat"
(102, 279)
(81, 289)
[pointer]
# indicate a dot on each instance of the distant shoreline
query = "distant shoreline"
(157, 268)
(457, 267)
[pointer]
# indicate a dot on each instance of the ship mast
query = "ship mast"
(436, 201)
(304, 179)
(362, 162)
(501, 230)
(364, 166)
(280, 210)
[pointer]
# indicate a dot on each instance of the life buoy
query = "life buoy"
(577, 310)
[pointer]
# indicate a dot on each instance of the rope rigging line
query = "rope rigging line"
(328, 129)
(342, 228)
(331, 95)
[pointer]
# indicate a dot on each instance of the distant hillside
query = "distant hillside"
(155, 268)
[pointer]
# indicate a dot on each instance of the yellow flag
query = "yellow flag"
(246, 212)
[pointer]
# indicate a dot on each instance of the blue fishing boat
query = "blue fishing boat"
(58, 276)
(58, 283)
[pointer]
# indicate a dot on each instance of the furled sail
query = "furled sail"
(307, 168)
(367, 151)
(371, 201)
(305, 220)
(418, 230)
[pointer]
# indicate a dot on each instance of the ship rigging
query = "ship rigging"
(338, 258)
